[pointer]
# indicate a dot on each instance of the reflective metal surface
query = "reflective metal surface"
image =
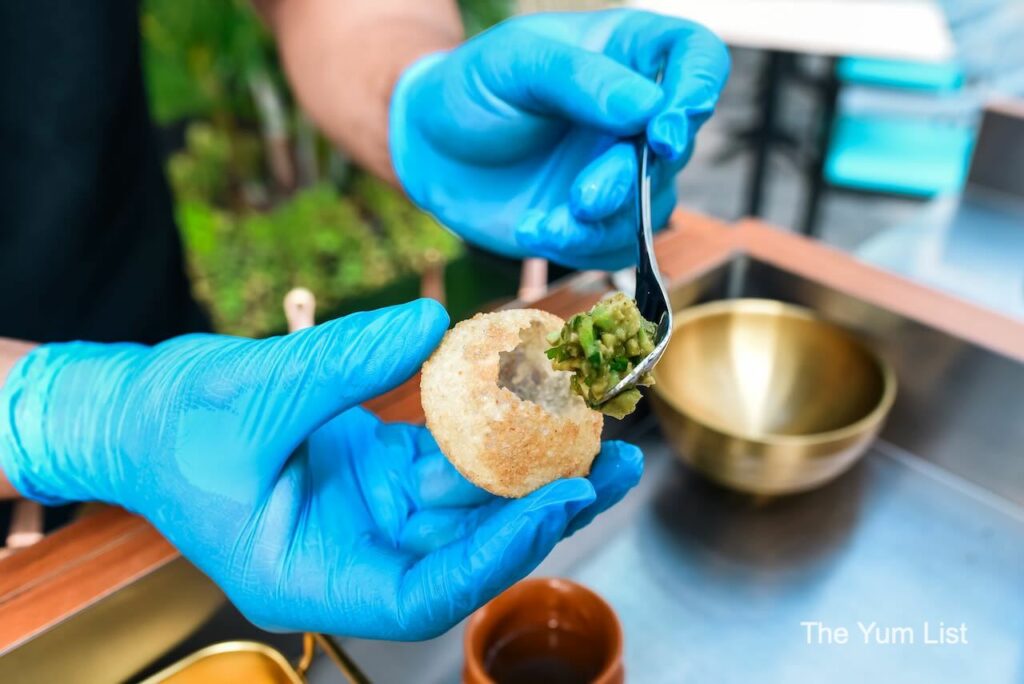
(970, 246)
(766, 398)
(232, 661)
(959, 406)
(650, 293)
(119, 635)
(712, 585)
(253, 662)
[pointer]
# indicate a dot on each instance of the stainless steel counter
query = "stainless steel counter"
(713, 586)
(970, 246)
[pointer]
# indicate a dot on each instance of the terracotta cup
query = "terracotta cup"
(544, 630)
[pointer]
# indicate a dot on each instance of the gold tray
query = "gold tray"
(250, 662)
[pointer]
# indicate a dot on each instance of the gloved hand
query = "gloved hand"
(253, 458)
(518, 139)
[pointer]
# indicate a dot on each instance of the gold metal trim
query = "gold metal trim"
(222, 648)
(296, 675)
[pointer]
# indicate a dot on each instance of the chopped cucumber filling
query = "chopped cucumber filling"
(601, 347)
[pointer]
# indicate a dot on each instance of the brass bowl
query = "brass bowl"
(767, 398)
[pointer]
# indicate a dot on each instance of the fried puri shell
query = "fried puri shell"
(499, 412)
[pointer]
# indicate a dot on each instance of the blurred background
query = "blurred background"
(263, 202)
(858, 129)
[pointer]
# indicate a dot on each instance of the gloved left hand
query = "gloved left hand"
(519, 139)
(254, 459)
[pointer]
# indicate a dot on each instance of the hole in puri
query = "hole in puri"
(526, 372)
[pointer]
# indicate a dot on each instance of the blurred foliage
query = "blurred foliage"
(478, 15)
(199, 55)
(242, 261)
(250, 235)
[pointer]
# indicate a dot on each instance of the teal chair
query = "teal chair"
(900, 153)
(890, 73)
(883, 153)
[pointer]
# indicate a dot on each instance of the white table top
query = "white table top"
(889, 29)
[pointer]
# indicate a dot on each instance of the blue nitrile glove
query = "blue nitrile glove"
(255, 460)
(517, 140)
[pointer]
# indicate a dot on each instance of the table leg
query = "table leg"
(769, 84)
(829, 97)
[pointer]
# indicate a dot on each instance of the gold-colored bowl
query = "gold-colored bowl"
(767, 398)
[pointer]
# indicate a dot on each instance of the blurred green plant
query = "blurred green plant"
(478, 15)
(262, 201)
(242, 261)
(199, 55)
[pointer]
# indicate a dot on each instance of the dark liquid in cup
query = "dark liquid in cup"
(544, 656)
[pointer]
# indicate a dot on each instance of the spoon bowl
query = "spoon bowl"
(651, 296)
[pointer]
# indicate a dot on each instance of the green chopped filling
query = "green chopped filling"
(601, 347)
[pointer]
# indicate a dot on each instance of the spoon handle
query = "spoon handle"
(647, 275)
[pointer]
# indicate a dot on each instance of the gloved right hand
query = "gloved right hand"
(520, 139)
(254, 459)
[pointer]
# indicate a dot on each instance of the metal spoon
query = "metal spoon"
(651, 297)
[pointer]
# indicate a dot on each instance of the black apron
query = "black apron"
(88, 246)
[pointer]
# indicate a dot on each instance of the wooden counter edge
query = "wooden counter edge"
(71, 569)
(843, 272)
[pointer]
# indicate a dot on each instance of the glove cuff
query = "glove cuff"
(403, 133)
(55, 408)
